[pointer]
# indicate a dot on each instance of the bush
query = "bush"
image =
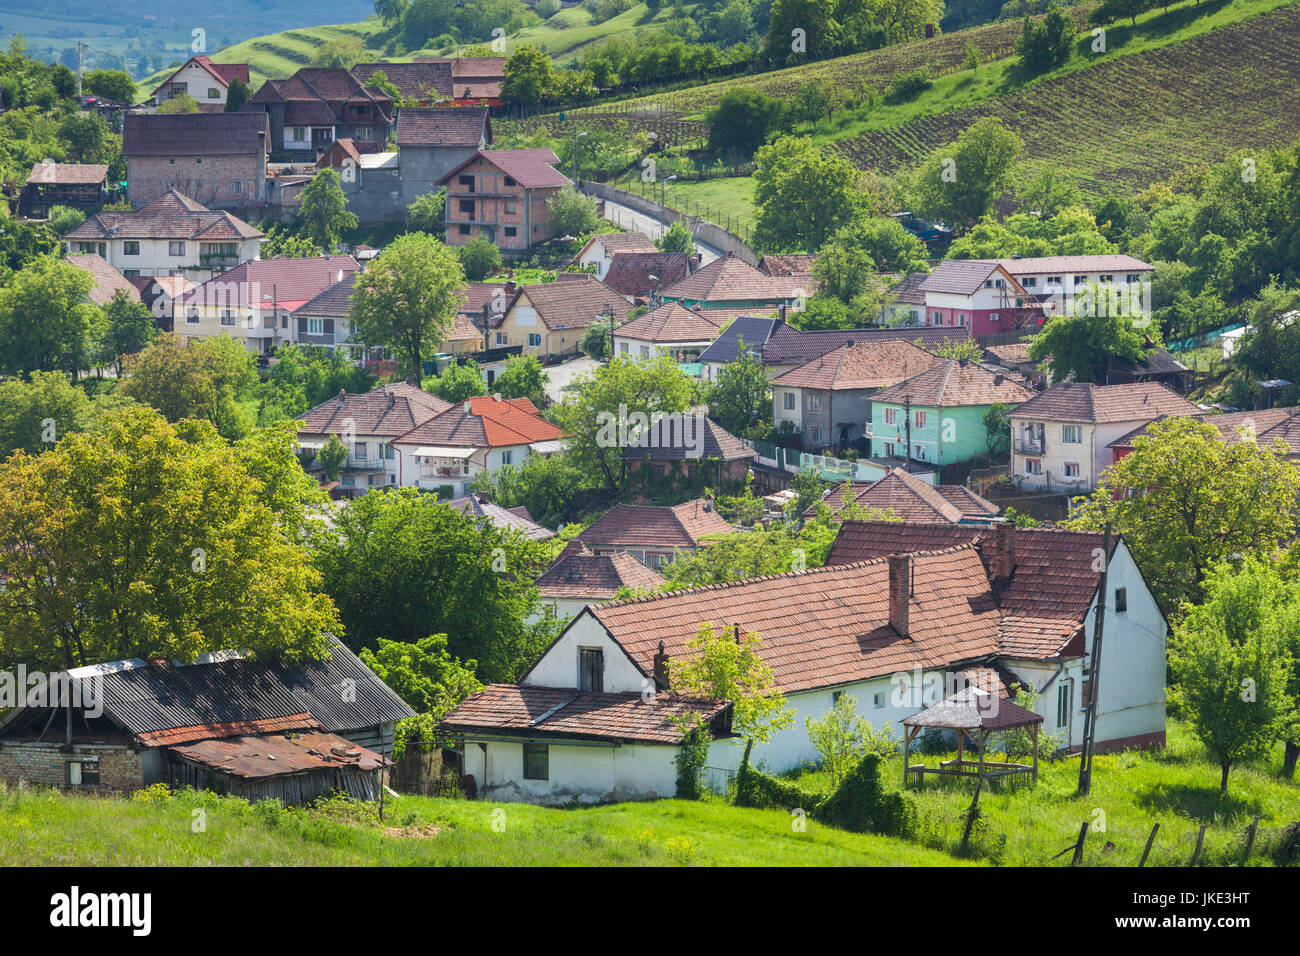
(63, 219)
(691, 760)
(908, 85)
(862, 804)
(479, 258)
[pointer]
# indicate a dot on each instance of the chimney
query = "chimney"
(780, 315)
(1004, 552)
(900, 591)
(999, 379)
(661, 668)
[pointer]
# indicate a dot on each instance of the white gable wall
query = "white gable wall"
(558, 667)
(576, 772)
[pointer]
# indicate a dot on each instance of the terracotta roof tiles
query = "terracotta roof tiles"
(642, 526)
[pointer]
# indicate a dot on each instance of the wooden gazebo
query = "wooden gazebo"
(975, 713)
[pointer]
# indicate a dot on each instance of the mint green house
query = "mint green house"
(946, 405)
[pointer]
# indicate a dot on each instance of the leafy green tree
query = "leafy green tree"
(423, 673)
(572, 213)
(1270, 347)
(595, 341)
(332, 458)
(345, 52)
(237, 94)
(523, 377)
(1232, 658)
(323, 212)
(843, 738)
(1070, 232)
(180, 103)
(621, 388)
(206, 380)
(86, 136)
(408, 299)
(1043, 45)
(129, 542)
(479, 258)
(283, 244)
(21, 243)
(742, 120)
(129, 327)
(741, 398)
(958, 184)
(1049, 193)
(551, 487)
(997, 428)
(36, 412)
(115, 85)
(426, 213)
(401, 564)
(1082, 343)
(1109, 10)
(1197, 500)
(458, 382)
(63, 219)
(720, 667)
(529, 76)
(46, 321)
(677, 238)
(803, 195)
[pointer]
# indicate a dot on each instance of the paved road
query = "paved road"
(564, 373)
(635, 221)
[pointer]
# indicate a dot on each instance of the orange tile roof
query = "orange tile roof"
(597, 577)
(955, 383)
(484, 422)
(827, 626)
(671, 322)
(652, 526)
(860, 365)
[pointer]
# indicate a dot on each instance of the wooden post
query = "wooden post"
(1200, 841)
(1035, 753)
(1250, 840)
(907, 746)
(1150, 840)
(1078, 847)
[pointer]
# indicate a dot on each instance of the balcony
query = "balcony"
(1030, 446)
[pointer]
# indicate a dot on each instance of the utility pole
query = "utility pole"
(81, 45)
(1090, 715)
(609, 311)
(907, 427)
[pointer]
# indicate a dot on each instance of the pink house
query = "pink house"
(978, 295)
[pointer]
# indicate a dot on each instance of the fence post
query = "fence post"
(1200, 841)
(1078, 847)
(1250, 840)
(1150, 840)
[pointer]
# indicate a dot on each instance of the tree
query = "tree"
(523, 377)
(86, 135)
(237, 94)
(677, 238)
(345, 52)
(423, 673)
(323, 211)
(595, 341)
(572, 213)
(332, 457)
(1049, 193)
(723, 667)
(1232, 658)
(1082, 343)
(529, 76)
(607, 403)
(282, 244)
(803, 194)
(1071, 231)
(959, 183)
(115, 85)
(1198, 500)
(36, 412)
(46, 321)
(479, 258)
(130, 542)
(408, 299)
(63, 219)
(426, 213)
(742, 120)
(179, 103)
(1045, 44)
(844, 269)
(196, 380)
(550, 486)
(400, 564)
(1110, 10)
(129, 327)
(843, 738)
(997, 428)
(741, 399)
(458, 382)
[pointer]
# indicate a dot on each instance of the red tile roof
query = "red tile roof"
(465, 126)
(259, 757)
(671, 322)
(172, 215)
(108, 281)
(827, 626)
(67, 174)
(531, 168)
(285, 283)
(1105, 404)
(595, 577)
(560, 713)
(688, 438)
(954, 383)
(574, 302)
(731, 279)
(223, 72)
(629, 273)
(906, 496)
(653, 526)
(421, 81)
(615, 242)
(484, 422)
(861, 365)
(788, 265)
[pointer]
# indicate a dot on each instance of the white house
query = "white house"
(900, 613)
(579, 578)
(1061, 438)
(206, 82)
(600, 249)
(672, 330)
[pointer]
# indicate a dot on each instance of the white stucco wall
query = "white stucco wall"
(558, 667)
(576, 773)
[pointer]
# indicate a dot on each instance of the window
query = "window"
(889, 449)
(534, 340)
(879, 701)
(1063, 700)
(131, 247)
(1080, 280)
(622, 347)
(214, 93)
(645, 351)
(510, 182)
(227, 317)
(788, 401)
(1053, 280)
(938, 318)
(815, 435)
(1106, 278)
(511, 208)
(299, 134)
(1071, 469)
(536, 763)
(511, 232)
(199, 161)
(1029, 282)
(1033, 466)
(236, 186)
(175, 248)
(83, 772)
(463, 230)
(1072, 434)
(192, 316)
(315, 326)
(364, 134)
(918, 452)
(1132, 277)
(508, 457)
(359, 450)
(1121, 599)
(591, 670)
(500, 338)
(891, 416)
(919, 419)
(814, 402)
(466, 206)
(961, 319)
(387, 450)
(466, 181)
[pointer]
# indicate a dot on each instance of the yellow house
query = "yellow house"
(549, 319)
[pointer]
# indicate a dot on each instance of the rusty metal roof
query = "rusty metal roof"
(235, 728)
(257, 757)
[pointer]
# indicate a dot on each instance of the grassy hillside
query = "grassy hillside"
(46, 828)
(1133, 118)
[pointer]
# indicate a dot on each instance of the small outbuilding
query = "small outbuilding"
(974, 714)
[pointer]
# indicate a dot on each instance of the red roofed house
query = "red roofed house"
(908, 498)
(580, 577)
(654, 534)
(899, 616)
(549, 318)
(672, 330)
(256, 302)
(318, 105)
(978, 295)
(471, 438)
(207, 82)
(501, 194)
(218, 159)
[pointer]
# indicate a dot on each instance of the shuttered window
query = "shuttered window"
(536, 762)
(591, 669)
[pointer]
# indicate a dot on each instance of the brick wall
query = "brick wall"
(44, 765)
(206, 179)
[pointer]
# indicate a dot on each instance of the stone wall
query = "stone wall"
(44, 765)
(709, 233)
(205, 179)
